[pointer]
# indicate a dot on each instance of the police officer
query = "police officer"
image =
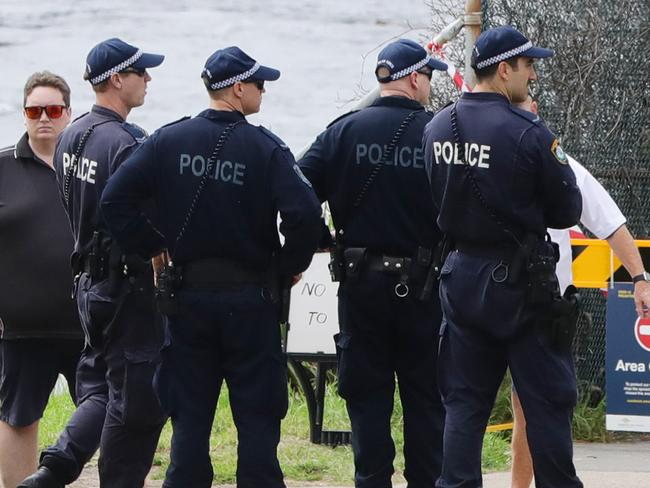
(123, 331)
(220, 183)
(499, 178)
(602, 217)
(369, 166)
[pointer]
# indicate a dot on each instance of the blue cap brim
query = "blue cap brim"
(435, 64)
(538, 52)
(148, 60)
(265, 73)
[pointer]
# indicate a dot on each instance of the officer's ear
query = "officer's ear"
(413, 80)
(503, 70)
(116, 80)
(238, 89)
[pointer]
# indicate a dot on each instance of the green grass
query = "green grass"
(589, 422)
(58, 410)
(300, 459)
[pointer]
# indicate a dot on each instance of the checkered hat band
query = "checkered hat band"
(234, 79)
(116, 69)
(410, 69)
(503, 56)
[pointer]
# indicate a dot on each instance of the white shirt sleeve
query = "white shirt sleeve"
(563, 269)
(600, 215)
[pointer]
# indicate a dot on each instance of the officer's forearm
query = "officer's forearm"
(622, 243)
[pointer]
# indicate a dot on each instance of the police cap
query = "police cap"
(403, 57)
(227, 66)
(114, 55)
(501, 43)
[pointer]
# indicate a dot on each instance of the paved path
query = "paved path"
(616, 465)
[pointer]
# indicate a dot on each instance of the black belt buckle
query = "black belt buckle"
(394, 265)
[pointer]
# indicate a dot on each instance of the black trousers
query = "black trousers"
(489, 327)
(117, 409)
(230, 335)
(384, 337)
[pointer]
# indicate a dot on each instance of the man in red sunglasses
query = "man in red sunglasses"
(40, 334)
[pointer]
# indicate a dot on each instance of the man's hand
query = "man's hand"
(642, 298)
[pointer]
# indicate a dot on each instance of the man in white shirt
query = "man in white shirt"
(602, 217)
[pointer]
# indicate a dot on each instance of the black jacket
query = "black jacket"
(254, 179)
(396, 214)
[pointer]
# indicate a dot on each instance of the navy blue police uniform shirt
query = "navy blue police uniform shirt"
(111, 141)
(516, 162)
(254, 178)
(397, 214)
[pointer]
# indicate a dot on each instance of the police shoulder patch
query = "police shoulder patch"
(137, 132)
(558, 152)
(341, 117)
(301, 175)
(274, 138)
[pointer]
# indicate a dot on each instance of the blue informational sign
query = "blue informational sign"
(627, 362)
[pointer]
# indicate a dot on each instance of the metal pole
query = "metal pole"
(473, 21)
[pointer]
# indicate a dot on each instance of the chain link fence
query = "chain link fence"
(595, 95)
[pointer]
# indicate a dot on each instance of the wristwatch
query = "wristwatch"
(645, 276)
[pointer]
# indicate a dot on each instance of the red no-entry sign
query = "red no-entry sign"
(642, 332)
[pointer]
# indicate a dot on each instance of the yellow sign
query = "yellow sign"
(595, 265)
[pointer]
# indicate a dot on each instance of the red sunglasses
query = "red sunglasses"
(52, 111)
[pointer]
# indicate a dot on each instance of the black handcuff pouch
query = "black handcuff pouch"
(167, 285)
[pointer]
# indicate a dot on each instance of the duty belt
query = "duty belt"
(388, 264)
(218, 272)
(357, 257)
(127, 265)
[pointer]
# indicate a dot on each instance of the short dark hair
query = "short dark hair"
(99, 87)
(213, 94)
(45, 78)
(489, 71)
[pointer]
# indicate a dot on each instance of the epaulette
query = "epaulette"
(82, 115)
(175, 121)
(529, 116)
(274, 138)
(341, 117)
(137, 132)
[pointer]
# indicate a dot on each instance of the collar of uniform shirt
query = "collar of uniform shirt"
(395, 101)
(226, 115)
(485, 96)
(106, 112)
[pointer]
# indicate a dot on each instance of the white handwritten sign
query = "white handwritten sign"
(313, 314)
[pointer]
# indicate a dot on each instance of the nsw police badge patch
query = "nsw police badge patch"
(558, 152)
